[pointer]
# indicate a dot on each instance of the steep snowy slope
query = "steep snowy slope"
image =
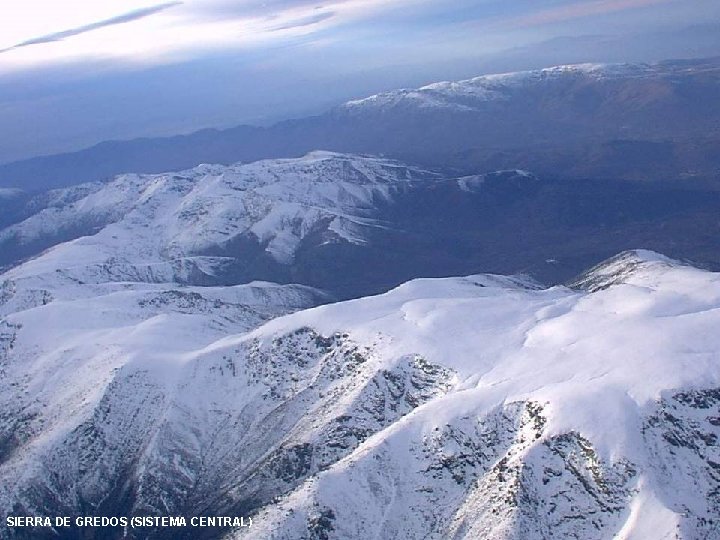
(558, 414)
(96, 383)
(477, 407)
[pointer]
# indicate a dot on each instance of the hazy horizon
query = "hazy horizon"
(123, 70)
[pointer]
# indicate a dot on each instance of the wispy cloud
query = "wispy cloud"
(180, 30)
(304, 21)
(157, 34)
(130, 16)
(224, 9)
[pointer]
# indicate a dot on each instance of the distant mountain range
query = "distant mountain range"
(612, 121)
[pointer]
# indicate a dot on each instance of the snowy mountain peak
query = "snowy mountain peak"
(625, 267)
(478, 94)
(586, 415)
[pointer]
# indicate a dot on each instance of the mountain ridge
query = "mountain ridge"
(666, 113)
(347, 224)
(441, 408)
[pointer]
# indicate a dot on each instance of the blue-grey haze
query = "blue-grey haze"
(63, 107)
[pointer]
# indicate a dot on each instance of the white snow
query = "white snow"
(468, 94)
(146, 222)
(455, 407)
(625, 345)
(597, 362)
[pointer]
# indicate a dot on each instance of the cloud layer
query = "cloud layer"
(145, 32)
(157, 32)
(130, 16)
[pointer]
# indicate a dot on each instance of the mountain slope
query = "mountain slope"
(641, 121)
(351, 225)
(446, 408)
(208, 225)
(572, 414)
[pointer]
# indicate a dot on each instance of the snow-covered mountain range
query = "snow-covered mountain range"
(475, 407)
(206, 224)
(348, 224)
(557, 413)
(144, 373)
(467, 95)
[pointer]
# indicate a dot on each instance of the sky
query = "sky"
(77, 72)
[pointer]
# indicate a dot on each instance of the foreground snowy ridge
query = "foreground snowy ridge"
(476, 407)
(571, 414)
